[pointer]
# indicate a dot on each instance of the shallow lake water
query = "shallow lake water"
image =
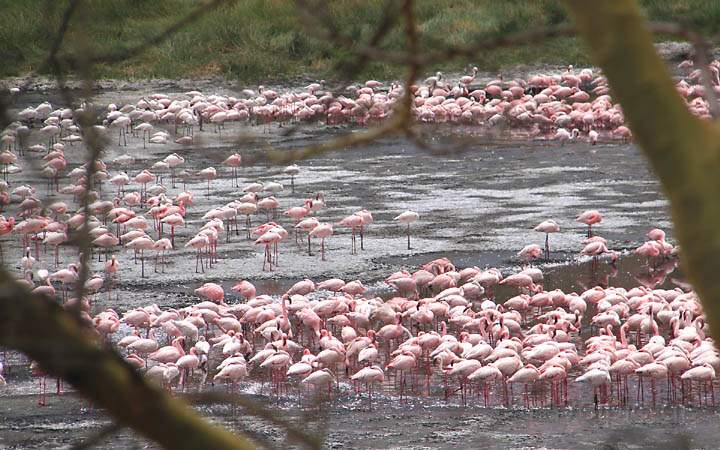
(477, 206)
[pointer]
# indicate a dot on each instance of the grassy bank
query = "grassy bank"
(256, 40)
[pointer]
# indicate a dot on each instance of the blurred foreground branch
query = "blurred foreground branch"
(65, 348)
(131, 52)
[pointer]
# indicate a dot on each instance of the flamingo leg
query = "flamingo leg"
(408, 236)
(547, 245)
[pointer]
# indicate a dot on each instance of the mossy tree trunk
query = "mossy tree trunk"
(683, 149)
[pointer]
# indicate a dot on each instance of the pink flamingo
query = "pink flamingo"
(320, 378)
(308, 225)
(268, 239)
(407, 218)
(46, 289)
(404, 362)
(297, 213)
(174, 220)
(208, 174)
(702, 374)
(270, 204)
(353, 222)
(141, 244)
(293, 171)
(144, 178)
(589, 218)
(526, 375)
(170, 353)
(6, 227)
(187, 364)
(234, 161)
(547, 227)
(367, 219)
(246, 209)
(66, 276)
(112, 269)
(321, 231)
(369, 376)
(161, 246)
(173, 161)
(597, 378)
(212, 291)
(245, 288)
(199, 242)
(106, 241)
(530, 252)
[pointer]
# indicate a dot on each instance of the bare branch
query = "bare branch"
(329, 31)
(389, 19)
(92, 140)
(97, 437)
(52, 60)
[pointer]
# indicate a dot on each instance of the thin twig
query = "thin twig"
(256, 409)
(52, 60)
(97, 437)
(345, 141)
(116, 57)
(702, 59)
(387, 22)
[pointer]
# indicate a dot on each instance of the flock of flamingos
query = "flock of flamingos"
(437, 331)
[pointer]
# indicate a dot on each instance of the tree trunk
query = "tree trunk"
(684, 150)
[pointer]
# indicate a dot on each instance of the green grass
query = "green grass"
(255, 40)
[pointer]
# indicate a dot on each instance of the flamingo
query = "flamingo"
(268, 239)
(547, 227)
(308, 225)
(173, 161)
(589, 218)
(292, 171)
(247, 209)
(212, 291)
(199, 243)
(208, 174)
(245, 288)
(321, 231)
(233, 161)
(354, 221)
(530, 252)
(141, 244)
(65, 277)
(320, 378)
(369, 376)
(6, 227)
(702, 374)
(161, 246)
(407, 218)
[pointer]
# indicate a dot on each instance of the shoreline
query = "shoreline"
(671, 51)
